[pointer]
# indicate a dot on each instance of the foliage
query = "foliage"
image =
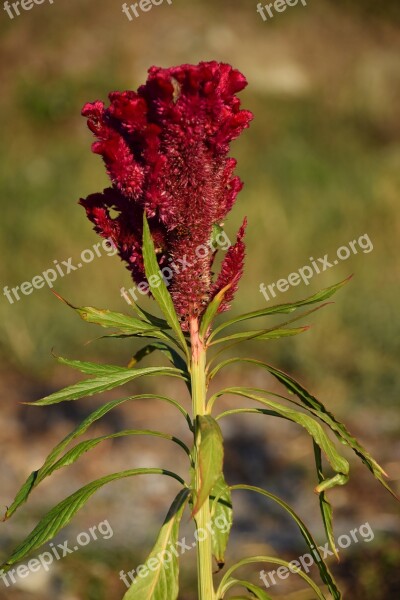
(207, 492)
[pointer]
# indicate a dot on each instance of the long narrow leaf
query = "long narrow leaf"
(90, 368)
(39, 475)
(160, 291)
(326, 575)
(62, 514)
(338, 462)
(265, 334)
(109, 319)
(172, 355)
(277, 331)
(311, 403)
(256, 591)
(320, 296)
(103, 383)
(268, 559)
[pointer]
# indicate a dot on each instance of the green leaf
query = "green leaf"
(76, 452)
(90, 368)
(107, 318)
(39, 475)
(339, 464)
(226, 580)
(173, 356)
(283, 308)
(256, 591)
(316, 407)
(159, 580)
(103, 383)
(338, 428)
(325, 505)
(160, 291)
(62, 514)
(326, 575)
(154, 334)
(221, 511)
(277, 331)
(210, 457)
(212, 310)
(150, 318)
(265, 334)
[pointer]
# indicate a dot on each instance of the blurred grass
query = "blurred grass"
(320, 165)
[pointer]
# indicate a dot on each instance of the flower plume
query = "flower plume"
(165, 148)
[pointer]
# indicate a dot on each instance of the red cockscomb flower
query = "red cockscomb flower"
(165, 148)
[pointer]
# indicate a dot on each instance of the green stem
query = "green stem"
(203, 516)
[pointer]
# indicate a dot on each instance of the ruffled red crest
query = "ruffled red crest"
(165, 149)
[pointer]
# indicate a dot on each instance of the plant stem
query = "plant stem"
(203, 516)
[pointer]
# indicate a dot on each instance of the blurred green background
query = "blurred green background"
(321, 166)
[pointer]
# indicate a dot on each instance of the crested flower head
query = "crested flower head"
(165, 148)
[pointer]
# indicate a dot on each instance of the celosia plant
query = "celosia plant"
(166, 152)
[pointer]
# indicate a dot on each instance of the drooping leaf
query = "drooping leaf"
(325, 574)
(336, 426)
(221, 511)
(47, 468)
(76, 452)
(159, 579)
(316, 407)
(160, 291)
(320, 296)
(210, 458)
(62, 514)
(103, 383)
(339, 464)
(227, 579)
(256, 591)
(325, 505)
